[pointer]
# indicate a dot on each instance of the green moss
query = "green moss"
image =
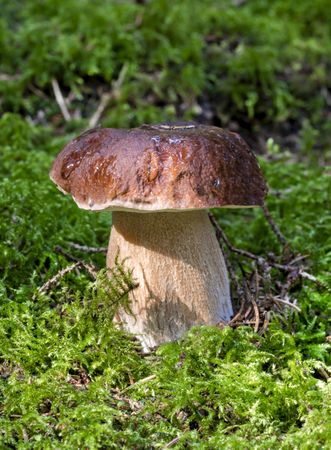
(69, 378)
(67, 371)
(265, 60)
(214, 386)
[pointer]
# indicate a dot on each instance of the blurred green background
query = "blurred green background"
(68, 377)
(259, 66)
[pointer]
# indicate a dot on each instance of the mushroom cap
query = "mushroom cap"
(164, 167)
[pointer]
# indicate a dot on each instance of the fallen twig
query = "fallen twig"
(247, 313)
(172, 442)
(261, 292)
(265, 322)
(260, 259)
(250, 322)
(8, 77)
(90, 268)
(87, 249)
(297, 259)
(281, 238)
(56, 278)
(142, 381)
(239, 313)
(285, 302)
(60, 100)
(221, 235)
(257, 315)
(38, 92)
(324, 373)
(253, 301)
(106, 97)
(60, 250)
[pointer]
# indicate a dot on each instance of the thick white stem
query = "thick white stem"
(179, 266)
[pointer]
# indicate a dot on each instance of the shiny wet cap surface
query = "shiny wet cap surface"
(159, 167)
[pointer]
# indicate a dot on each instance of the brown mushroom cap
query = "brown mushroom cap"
(158, 168)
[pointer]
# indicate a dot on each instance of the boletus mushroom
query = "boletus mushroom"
(159, 181)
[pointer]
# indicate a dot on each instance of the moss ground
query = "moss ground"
(68, 377)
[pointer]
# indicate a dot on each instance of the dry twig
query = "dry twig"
(281, 238)
(36, 91)
(265, 322)
(60, 100)
(60, 250)
(285, 302)
(253, 301)
(56, 278)
(86, 249)
(324, 373)
(261, 294)
(236, 317)
(106, 97)
(139, 382)
(8, 77)
(260, 260)
(90, 268)
(172, 442)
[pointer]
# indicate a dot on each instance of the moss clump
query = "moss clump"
(69, 378)
(254, 60)
(214, 386)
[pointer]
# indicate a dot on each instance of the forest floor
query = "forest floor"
(69, 377)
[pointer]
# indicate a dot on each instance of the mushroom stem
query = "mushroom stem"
(181, 272)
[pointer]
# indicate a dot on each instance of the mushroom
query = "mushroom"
(159, 181)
